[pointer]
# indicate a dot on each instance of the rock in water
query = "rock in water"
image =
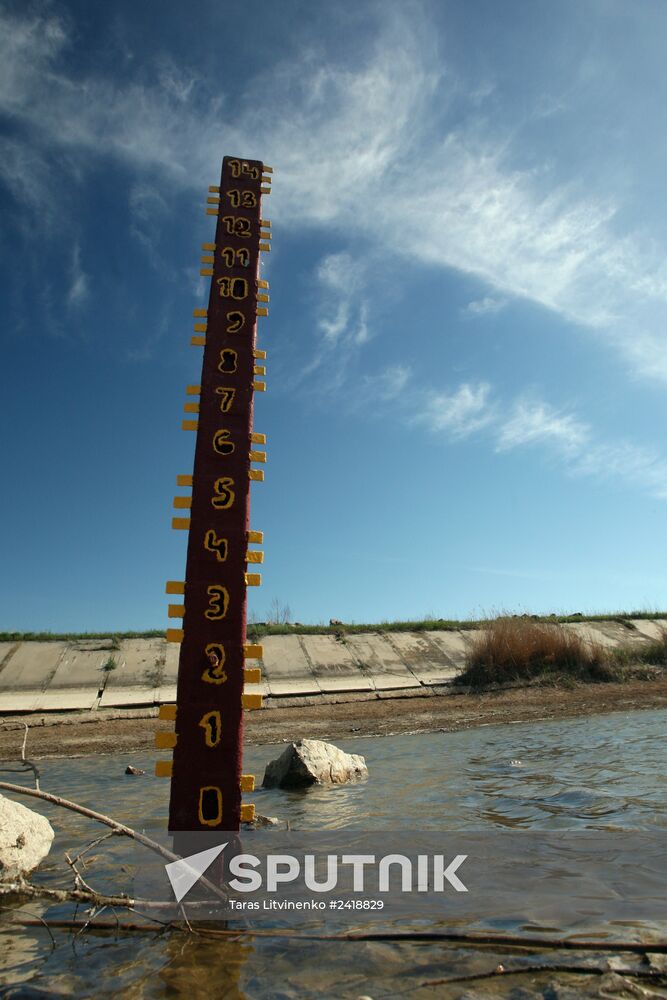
(25, 839)
(260, 822)
(312, 762)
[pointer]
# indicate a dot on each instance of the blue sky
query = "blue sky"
(467, 339)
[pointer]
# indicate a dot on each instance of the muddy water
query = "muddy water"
(600, 774)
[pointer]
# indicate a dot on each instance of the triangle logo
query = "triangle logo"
(186, 871)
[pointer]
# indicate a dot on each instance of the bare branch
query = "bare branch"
(24, 888)
(36, 921)
(79, 881)
(119, 828)
(90, 919)
(152, 927)
(522, 970)
(29, 763)
(94, 843)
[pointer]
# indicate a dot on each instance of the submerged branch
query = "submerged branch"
(57, 800)
(522, 970)
(23, 888)
(460, 939)
(117, 827)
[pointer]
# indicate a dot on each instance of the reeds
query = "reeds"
(517, 649)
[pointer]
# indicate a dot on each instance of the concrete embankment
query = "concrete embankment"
(95, 674)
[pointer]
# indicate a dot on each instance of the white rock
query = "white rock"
(313, 762)
(25, 838)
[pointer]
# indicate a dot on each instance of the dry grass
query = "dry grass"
(652, 653)
(656, 651)
(514, 649)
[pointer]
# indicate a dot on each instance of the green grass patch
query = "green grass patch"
(73, 636)
(258, 629)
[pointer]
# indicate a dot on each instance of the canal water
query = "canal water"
(596, 776)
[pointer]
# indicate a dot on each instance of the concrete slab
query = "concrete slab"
(32, 666)
(171, 657)
(333, 665)
(380, 661)
(453, 645)
(140, 663)
(125, 695)
(66, 699)
(21, 701)
(427, 660)
(60, 676)
(166, 692)
(592, 633)
(78, 678)
(138, 674)
(649, 628)
(261, 688)
(619, 634)
(5, 650)
(285, 668)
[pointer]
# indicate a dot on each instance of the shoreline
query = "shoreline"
(125, 732)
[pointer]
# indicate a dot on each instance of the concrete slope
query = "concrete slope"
(105, 673)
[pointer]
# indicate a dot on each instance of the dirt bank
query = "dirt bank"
(53, 736)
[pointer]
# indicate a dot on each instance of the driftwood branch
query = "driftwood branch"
(155, 926)
(94, 843)
(29, 763)
(79, 881)
(119, 828)
(522, 970)
(462, 940)
(21, 887)
(24, 888)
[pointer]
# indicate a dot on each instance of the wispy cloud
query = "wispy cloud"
(538, 423)
(145, 350)
(460, 413)
(343, 311)
(486, 306)
(79, 283)
(25, 174)
(342, 322)
(635, 464)
(559, 435)
(346, 158)
(147, 211)
(386, 385)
